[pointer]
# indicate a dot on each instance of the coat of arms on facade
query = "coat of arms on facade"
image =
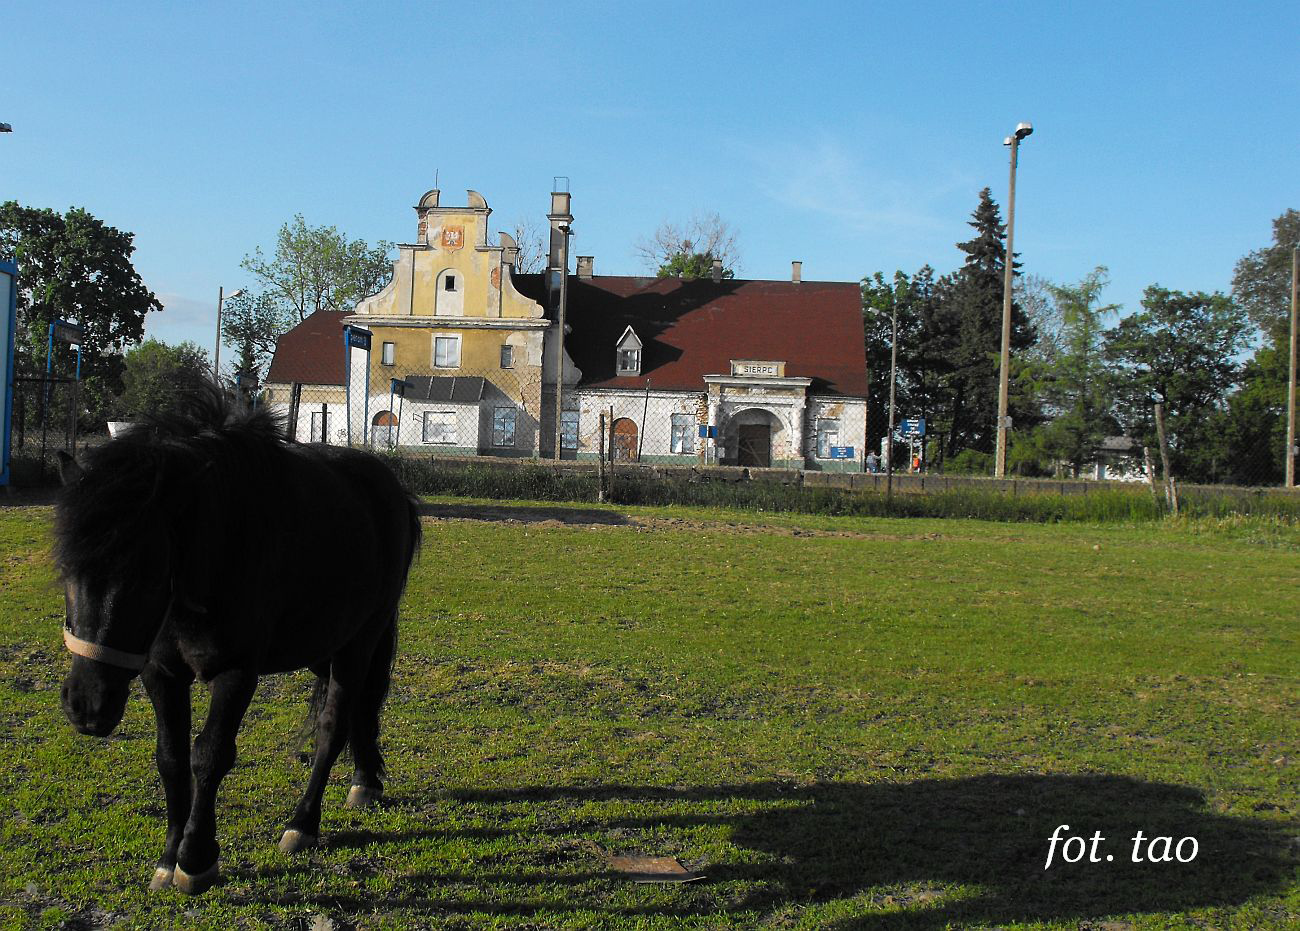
(453, 237)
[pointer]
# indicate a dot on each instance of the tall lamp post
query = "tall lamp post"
(1000, 463)
(216, 355)
(1290, 385)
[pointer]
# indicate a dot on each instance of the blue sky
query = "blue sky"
(852, 136)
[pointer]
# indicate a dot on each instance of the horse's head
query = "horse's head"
(115, 607)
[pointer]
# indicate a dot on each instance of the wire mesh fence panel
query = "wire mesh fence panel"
(45, 421)
(457, 411)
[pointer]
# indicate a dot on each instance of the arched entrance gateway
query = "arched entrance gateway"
(383, 430)
(625, 440)
(751, 435)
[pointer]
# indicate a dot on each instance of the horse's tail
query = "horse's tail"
(307, 732)
(415, 533)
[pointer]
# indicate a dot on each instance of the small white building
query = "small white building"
(721, 371)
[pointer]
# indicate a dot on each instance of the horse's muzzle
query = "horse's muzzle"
(95, 708)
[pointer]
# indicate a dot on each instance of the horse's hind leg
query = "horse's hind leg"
(367, 776)
(347, 677)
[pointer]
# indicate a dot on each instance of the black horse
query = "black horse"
(203, 544)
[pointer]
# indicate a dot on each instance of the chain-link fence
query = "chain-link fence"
(45, 422)
(504, 412)
(455, 412)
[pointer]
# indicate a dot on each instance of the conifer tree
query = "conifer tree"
(968, 334)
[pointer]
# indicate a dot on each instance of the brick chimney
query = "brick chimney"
(796, 271)
(717, 269)
(586, 266)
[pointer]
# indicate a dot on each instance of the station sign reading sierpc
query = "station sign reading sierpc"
(753, 367)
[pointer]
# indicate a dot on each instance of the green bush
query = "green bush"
(1101, 504)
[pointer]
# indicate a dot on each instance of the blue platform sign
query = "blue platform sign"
(841, 452)
(358, 339)
(914, 427)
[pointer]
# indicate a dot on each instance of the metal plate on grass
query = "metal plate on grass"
(653, 869)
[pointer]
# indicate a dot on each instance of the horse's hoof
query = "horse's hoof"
(162, 878)
(193, 885)
(362, 797)
(294, 841)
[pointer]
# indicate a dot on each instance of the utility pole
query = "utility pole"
(1291, 385)
(1000, 463)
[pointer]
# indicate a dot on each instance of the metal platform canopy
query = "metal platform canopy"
(8, 323)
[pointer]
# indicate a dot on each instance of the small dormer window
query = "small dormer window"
(628, 353)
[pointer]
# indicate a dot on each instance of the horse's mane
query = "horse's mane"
(132, 488)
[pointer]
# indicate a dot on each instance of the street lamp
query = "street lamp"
(1000, 464)
(893, 381)
(216, 355)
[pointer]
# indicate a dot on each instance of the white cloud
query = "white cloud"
(183, 319)
(831, 178)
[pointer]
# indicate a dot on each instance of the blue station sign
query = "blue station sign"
(841, 452)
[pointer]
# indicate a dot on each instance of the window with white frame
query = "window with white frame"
(569, 430)
(628, 353)
(507, 356)
(440, 427)
(320, 423)
(388, 355)
(683, 438)
(629, 362)
(828, 435)
(503, 426)
(446, 352)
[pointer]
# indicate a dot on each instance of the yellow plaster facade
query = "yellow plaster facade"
(451, 283)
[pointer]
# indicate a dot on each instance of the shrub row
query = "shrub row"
(541, 483)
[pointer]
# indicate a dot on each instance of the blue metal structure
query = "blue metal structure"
(8, 324)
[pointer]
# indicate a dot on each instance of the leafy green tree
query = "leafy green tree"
(1261, 281)
(156, 375)
(252, 322)
(1252, 432)
(688, 251)
(690, 265)
(318, 268)
(914, 299)
(1075, 384)
(1181, 351)
(74, 267)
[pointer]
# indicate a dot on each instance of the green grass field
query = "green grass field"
(839, 722)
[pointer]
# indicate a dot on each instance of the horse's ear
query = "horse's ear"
(69, 469)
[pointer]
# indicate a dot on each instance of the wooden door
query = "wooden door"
(755, 446)
(625, 440)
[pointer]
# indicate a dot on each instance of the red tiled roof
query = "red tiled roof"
(695, 328)
(312, 352)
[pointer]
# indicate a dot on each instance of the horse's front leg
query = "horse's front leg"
(213, 755)
(170, 696)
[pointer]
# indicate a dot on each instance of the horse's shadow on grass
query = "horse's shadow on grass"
(904, 847)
